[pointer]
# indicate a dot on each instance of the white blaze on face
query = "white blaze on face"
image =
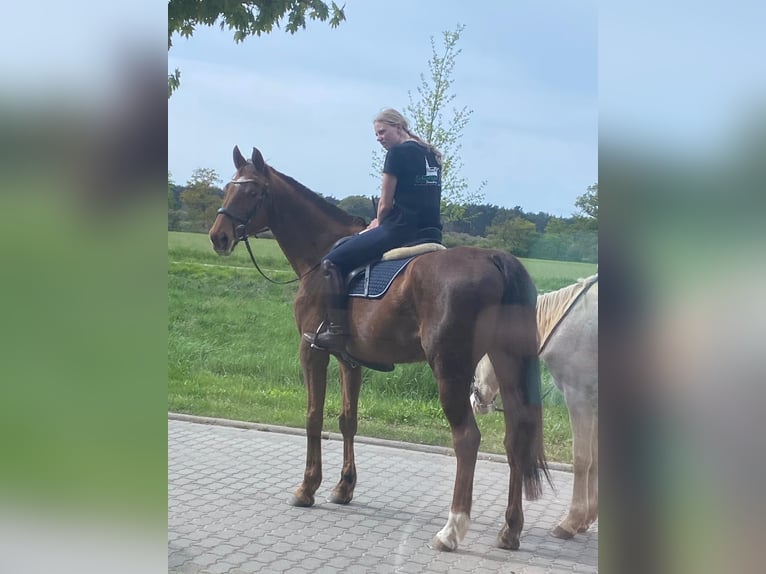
(455, 529)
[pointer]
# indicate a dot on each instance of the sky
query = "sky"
(527, 69)
(682, 78)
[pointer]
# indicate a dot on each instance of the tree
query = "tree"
(247, 18)
(427, 114)
(202, 198)
(557, 225)
(516, 235)
(358, 205)
(175, 213)
(587, 203)
(173, 202)
(550, 246)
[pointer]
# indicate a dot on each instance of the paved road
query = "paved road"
(228, 513)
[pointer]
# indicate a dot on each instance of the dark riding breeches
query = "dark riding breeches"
(364, 247)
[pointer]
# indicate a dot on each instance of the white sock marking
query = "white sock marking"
(455, 529)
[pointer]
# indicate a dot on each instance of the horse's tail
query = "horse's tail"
(516, 330)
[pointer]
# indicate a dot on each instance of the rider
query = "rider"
(410, 201)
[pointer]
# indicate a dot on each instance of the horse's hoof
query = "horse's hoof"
(441, 546)
(337, 499)
(301, 501)
(506, 540)
(583, 528)
(508, 543)
(562, 533)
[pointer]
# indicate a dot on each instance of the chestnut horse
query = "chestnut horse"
(567, 321)
(448, 307)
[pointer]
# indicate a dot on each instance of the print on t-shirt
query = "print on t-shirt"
(431, 176)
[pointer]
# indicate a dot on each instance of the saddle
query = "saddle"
(372, 279)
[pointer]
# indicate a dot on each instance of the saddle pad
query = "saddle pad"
(376, 278)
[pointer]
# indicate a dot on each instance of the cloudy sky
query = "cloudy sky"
(527, 69)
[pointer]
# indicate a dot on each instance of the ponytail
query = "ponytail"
(432, 149)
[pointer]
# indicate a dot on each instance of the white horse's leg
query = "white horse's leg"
(582, 431)
(592, 478)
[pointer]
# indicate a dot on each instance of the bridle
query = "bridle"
(490, 406)
(240, 231)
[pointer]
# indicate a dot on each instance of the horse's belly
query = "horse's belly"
(389, 346)
(383, 332)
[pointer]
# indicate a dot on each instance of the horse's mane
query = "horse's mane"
(552, 306)
(325, 206)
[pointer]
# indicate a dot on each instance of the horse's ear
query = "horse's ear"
(258, 162)
(239, 159)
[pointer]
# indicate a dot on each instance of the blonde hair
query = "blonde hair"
(394, 118)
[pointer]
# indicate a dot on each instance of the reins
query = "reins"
(240, 231)
(492, 405)
(243, 238)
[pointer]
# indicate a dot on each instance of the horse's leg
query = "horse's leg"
(351, 382)
(592, 476)
(454, 380)
(582, 430)
(523, 434)
(314, 366)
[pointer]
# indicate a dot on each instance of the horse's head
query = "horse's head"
(484, 387)
(245, 203)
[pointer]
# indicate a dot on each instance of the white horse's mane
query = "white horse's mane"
(551, 307)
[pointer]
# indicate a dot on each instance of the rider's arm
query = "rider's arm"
(387, 190)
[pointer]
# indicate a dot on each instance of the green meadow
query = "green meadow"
(233, 353)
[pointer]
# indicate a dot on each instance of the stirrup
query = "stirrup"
(312, 338)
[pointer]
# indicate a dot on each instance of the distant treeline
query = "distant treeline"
(538, 235)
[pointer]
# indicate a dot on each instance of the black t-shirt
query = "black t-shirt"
(418, 183)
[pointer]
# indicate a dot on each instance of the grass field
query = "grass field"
(233, 353)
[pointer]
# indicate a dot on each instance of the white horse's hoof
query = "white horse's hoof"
(441, 546)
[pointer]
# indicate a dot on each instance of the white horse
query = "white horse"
(567, 327)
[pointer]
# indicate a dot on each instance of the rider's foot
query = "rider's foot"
(333, 339)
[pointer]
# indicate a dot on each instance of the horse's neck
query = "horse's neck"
(551, 307)
(304, 230)
(546, 320)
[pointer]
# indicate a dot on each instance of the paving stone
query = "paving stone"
(227, 511)
(220, 568)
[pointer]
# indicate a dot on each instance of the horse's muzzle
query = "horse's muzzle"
(222, 241)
